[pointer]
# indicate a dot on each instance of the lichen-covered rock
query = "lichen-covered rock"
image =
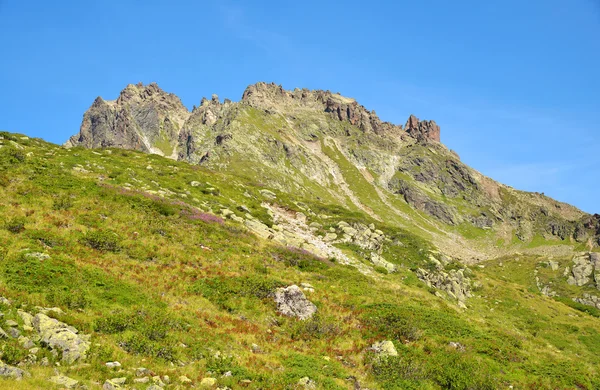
(114, 384)
(64, 381)
(582, 270)
(589, 300)
(454, 282)
(208, 383)
(7, 371)
(379, 261)
(307, 384)
(384, 348)
(62, 337)
(292, 302)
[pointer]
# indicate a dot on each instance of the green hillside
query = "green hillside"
(172, 270)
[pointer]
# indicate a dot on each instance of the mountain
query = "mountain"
(291, 240)
(321, 145)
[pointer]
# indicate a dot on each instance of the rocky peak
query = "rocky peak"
(422, 130)
(143, 117)
(151, 93)
(272, 96)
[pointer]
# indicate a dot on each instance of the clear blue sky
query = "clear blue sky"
(515, 85)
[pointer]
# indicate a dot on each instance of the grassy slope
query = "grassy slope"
(158, 281)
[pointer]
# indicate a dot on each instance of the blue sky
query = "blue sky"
(514, 85)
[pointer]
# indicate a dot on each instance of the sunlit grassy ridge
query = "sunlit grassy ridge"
(139, 259)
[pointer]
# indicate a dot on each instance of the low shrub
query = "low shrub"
(15, 225)
(13, 354)
(316, 327)
(221, 291)
(101, 240)
(62, 202)
(299, 258)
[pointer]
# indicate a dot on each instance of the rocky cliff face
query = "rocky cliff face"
(148, 119)
(322, 145)
(142, 118)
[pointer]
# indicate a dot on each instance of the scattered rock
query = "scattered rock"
(307, 383)
(62, 337)
(583, 268)
(7, 371)
(113, 364)
(185, 380)
(457, 346)
(589, 300)
(114, 384)
(291, 302)
(14, 333)
(268, 194)
(158, 381)
(145, 379)
(38, 256)
(64, 381)
(26, 342)
(384, 348)
(379, 261)
(26, 317)
(453, 282)
(11, 323)
(208, 382)
(141, 371)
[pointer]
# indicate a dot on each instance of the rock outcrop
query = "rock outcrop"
(455, 282)
(143, 118)
(586, 268)
(292, 302)
(420, 201)
(62, 338)
(422, 130)
(146, 118)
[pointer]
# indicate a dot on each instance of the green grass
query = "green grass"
(160, 282)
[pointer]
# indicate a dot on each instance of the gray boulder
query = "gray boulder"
(61, 337)
(7, 371)
(64, 381)
(582, 270)
(292, 302)
(384, 348)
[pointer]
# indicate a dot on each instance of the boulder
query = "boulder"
(61, 337)
(581, 271)
(114, 384)
(384, 348)
(379, 261)
(307, 384)
(292, 302)
(185, 380)
(208, 383)
(26, 317)
(7, 371)
(64, 381)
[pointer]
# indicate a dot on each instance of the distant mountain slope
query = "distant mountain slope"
(326, 146)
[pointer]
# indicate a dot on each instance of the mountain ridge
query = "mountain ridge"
(319, 142)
